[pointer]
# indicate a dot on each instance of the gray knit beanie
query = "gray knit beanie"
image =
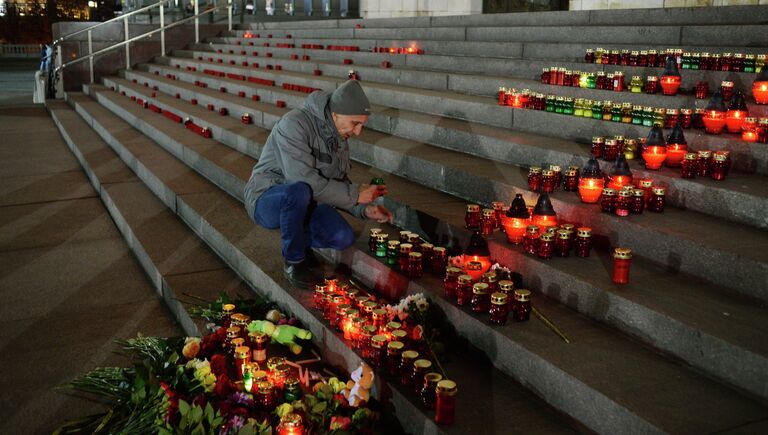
(349, 99)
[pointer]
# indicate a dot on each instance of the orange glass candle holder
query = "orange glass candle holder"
(590, 189)
(737, 112)
(714, 122)
(670, 85)
(760, 90)
(675, 154)
(654, 156)
(749, 130)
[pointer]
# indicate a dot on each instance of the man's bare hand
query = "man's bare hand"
(378, 213)
(369, 192)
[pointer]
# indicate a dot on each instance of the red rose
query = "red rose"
(223, 386)
(340, 423)
(219, 365)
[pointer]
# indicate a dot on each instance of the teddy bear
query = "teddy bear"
(358, 390)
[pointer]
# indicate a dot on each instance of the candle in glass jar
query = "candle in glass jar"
(464, 290)
(428, 391)
(737, 112)
(676, 147)
(534, 178)
(749, 130)
(521, 309)
(590, 189)
(480, 301)
(656, 202)
(689, 165)
(445, 404)
(381, 245)
(622, 258)
(290, 424)
(583, 242)
(654, 156)
(760, 87)
(531, 240)
(726, 87)
(719, 166)
(472, 217)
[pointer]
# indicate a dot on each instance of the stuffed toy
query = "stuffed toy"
(283, 334)
(358, 390)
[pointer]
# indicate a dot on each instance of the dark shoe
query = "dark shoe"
(300, 275)
(311, 259)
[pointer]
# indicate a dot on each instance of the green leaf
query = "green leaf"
(209, 413)
(199, 429)
(247, 430)
(319, 408)
(183, 407)
(196, 414)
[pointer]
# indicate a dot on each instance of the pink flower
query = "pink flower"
(340, 423)
(417, 333)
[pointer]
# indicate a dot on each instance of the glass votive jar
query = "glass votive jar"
(407, 358)
(608, 200)
(499, 310)
(378, 349)
(719, 166)
(428, 391)
(393, 252)
(611, 150)
(372, 240)
(546, 246)
(415, 241)
(656, 202)
(364, 344)
(381, 245)
(420, 369)
(622, 258)
(403, 258)
(439, 260)
(403, 235)
(689, 165)
(521, 309)
(651, 85)
(701, 90)
(242, 358)
(571, 180)
(451, 282)
(472, 217)
(598, 146)
(749, 130)
(703, 163)
(547, 181)
(480, 300)
(563, 243)
(445, 403)
(394, 355)
(531, 240)
(464, 290)
(686, 118)
(623, 203)
(487, 222)
(534, 178)
(415, 266)
(637, 201)
(318, 299)
(583, 242)
(265, 399)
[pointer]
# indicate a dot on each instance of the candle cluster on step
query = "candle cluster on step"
(737, 62)
(408, 253)
(369, 325)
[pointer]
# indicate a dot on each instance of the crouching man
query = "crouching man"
(301, 179)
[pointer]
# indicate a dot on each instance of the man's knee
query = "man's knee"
(298, 194)
(343, 238)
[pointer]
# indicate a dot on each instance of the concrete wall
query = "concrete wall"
(416, 8)
(578, 5)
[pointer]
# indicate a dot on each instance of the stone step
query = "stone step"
(742, 198)
(747, 35)
(474, 74)
(613, 17)
(174, 259)
(578, 369)
(221, 222)
(659, 305)
(747, 157)
(570, 50)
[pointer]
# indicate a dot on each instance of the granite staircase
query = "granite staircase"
(681, 349)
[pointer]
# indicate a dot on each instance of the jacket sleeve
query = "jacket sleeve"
(298, 165)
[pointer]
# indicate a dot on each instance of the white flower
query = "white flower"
(422, 305)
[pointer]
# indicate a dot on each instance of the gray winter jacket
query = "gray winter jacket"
(305, 146)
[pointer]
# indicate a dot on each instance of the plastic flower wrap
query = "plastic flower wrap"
(203, 373)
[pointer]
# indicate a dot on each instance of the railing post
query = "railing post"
(127, 45)
(197, 22)
(162, 30)
(90, 53)
(229, 15)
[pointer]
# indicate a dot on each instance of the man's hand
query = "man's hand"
(378, 213)
(369, 192)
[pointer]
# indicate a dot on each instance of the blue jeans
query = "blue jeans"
(303, 223)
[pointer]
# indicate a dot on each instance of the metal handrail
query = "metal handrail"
(111, 20)
(53, 72)
(136, 38)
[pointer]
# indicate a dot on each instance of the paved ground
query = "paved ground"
(69, 285)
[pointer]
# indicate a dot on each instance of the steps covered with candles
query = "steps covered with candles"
(681, 348)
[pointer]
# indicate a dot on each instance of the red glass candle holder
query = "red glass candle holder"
(451, 282)
(535, 178)
(675, 154)
(583, 242)
(598, 146)
(703, 162)
(749, 130)
(480, 301)
(726, 87)
(734, 120)
(608, 200)
(515, 229)
(670, 84)
(654, 156)
(657, 201)
(445, 404)
(472, 217)
(686, 118)
(760, 91)
(590, 189)
(521, 308)
(531, 240)
(622, 259)
(546, 246)
(714, 122)
(701, 90)
(689, 165)
(719, 169)
(464, 290)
